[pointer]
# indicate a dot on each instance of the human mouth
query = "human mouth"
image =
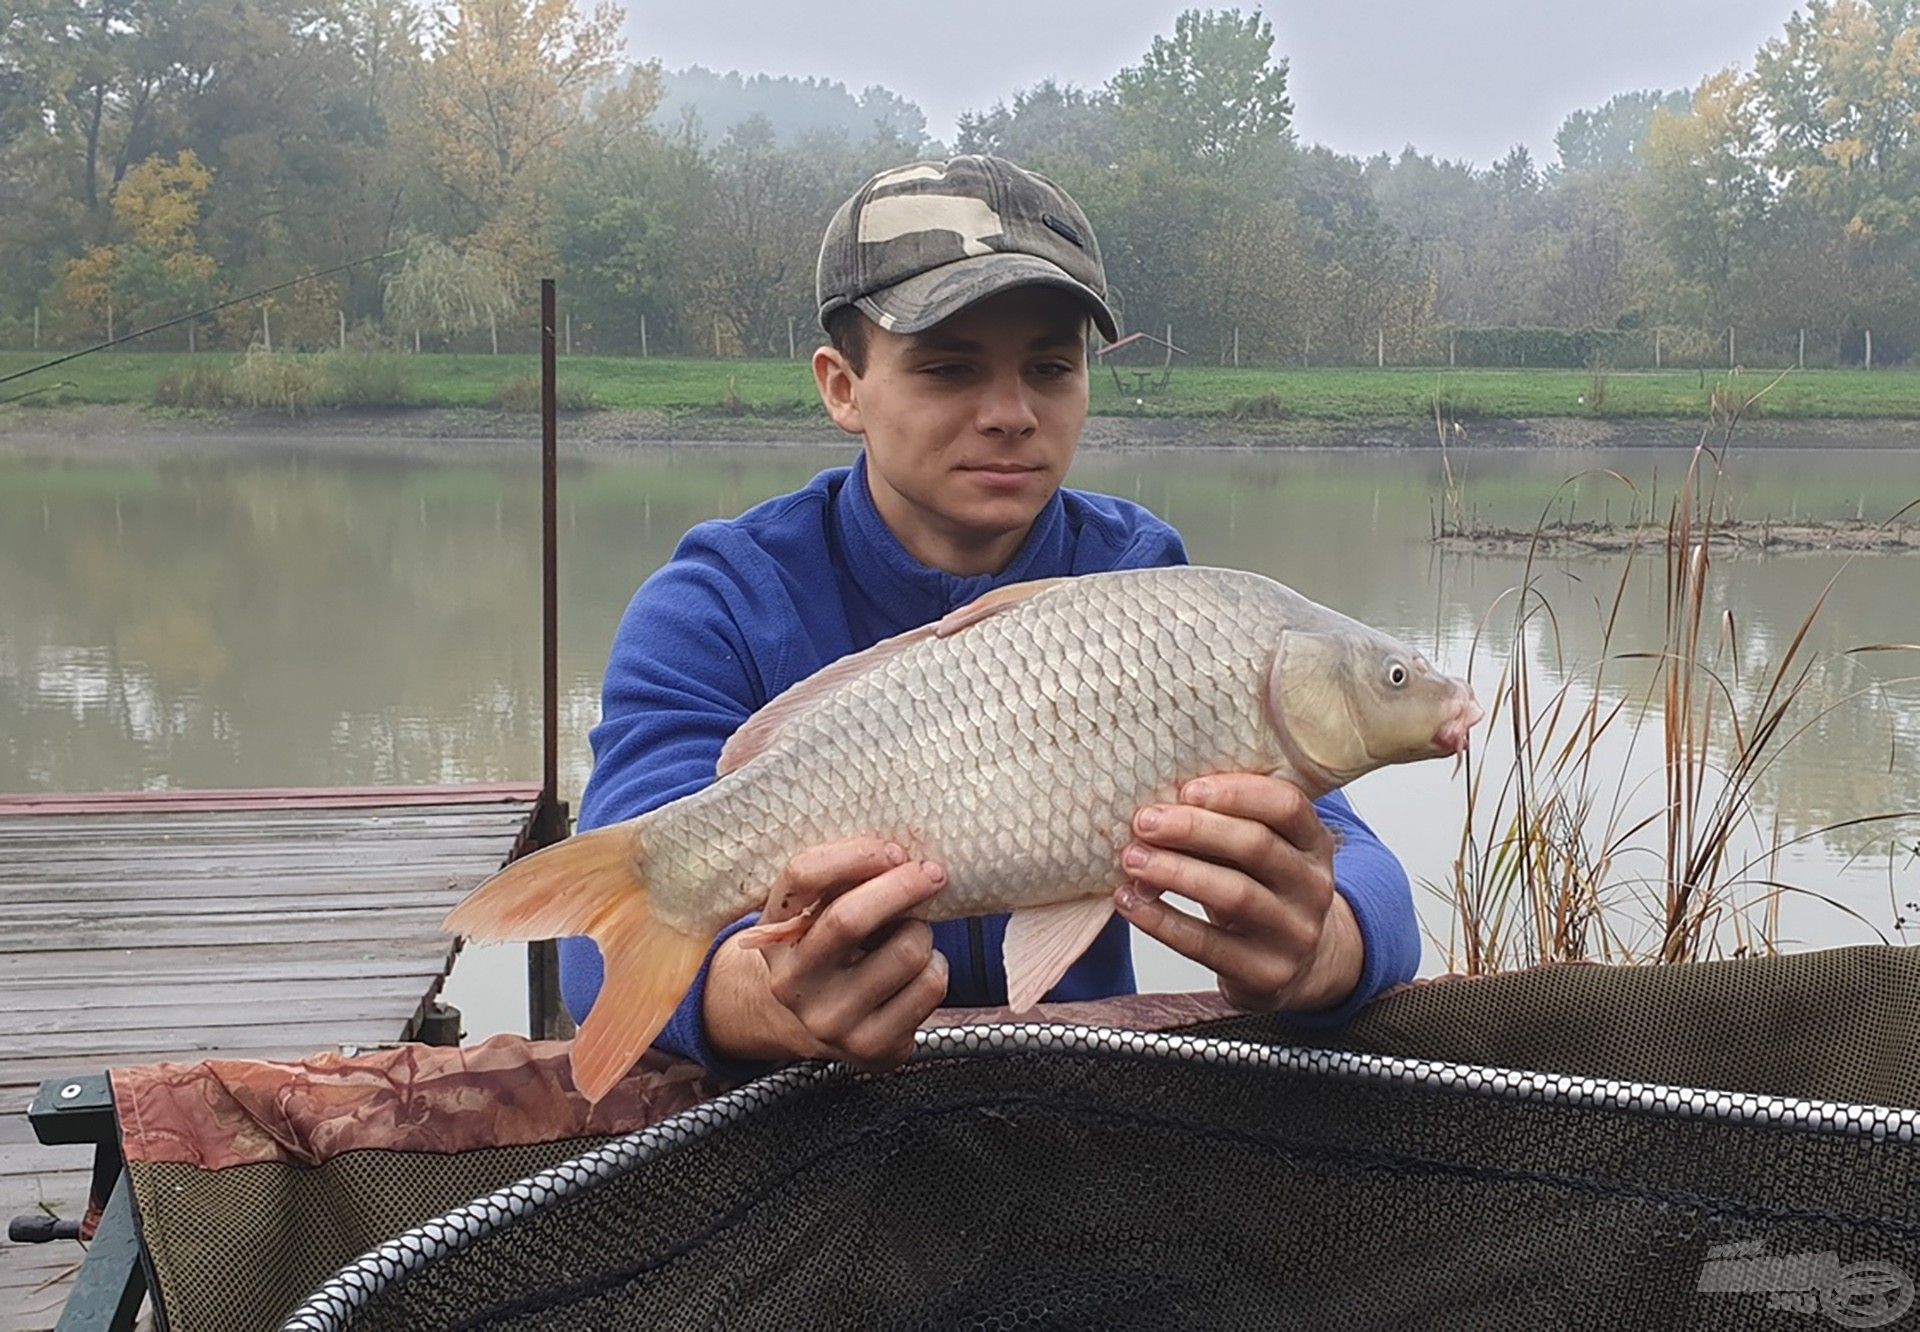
(1002, 476)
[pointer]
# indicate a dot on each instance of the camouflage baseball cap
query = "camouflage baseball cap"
(919, 242)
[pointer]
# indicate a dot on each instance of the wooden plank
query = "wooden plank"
(19, 1160)
(125, 829)
(260, 862)
(172, 1044)
(109, 802)
(239, 930)
(346, 957)
(438, 898)
(346, 1003)
(127, 897)
(49, 1002)
(60, 1181)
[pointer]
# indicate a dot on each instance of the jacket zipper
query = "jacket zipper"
(977, 939)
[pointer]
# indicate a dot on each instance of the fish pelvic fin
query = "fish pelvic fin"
(1043, 941)
(594, 884)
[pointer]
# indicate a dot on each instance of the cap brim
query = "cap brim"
(927, 298)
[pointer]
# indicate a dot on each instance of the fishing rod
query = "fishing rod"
(197, 314)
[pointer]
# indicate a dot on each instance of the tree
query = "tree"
(1706, 195)
(1047, 126)
(1610, 137)
(1210, 93)
(506, 86)
(157, 269)
(439, 290)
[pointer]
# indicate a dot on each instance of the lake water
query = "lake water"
(218, 616)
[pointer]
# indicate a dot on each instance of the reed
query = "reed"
(1551, 850)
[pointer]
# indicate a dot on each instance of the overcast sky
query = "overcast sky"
(1462, 79)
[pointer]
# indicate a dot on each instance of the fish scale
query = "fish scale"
(1133, 686)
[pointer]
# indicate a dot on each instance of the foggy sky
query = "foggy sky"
(1465, 79)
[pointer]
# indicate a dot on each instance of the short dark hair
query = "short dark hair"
(847, 330)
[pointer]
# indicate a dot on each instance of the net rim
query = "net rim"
(330, 1307)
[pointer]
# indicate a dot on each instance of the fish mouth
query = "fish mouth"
(1451, 738)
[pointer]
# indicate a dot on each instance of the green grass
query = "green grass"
(785, 389)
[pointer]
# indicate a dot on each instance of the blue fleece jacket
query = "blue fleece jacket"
(754, 604)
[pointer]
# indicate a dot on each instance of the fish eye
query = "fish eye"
(1397, 675)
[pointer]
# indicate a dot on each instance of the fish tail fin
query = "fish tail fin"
(594, 884)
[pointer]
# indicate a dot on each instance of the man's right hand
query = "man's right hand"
(856, 985)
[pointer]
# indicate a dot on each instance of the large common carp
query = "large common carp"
(1012, 742)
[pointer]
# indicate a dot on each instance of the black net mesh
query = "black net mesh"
(1089, 1186)
(234, 1249)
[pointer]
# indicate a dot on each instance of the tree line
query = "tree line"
(157, 156)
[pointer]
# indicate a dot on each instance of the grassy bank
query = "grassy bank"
(784, 389)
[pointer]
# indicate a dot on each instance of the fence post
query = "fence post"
(1869, 349)
(109, 319)
(1306, 349)
(1236, 349)
(1729, 346)
(716, 337)
(1801, 362)
(1656, 348)
(416, 342)
(1451, 334)
(493, 331)
(643, 335)
(343, 331)
(790, 352)
(36, 328)
(1380, 348)
(569, 333)
(191, 340)
(266, 328)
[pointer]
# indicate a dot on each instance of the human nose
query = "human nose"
(1006, 408)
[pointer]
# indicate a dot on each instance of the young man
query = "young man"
(956, 297)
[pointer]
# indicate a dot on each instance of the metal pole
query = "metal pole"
(716, 337)
(493, 331)
(546, 1015)
(1869, 364)
(643, 335)
(343, 330)
(549, 580)
(790, 351)
(1729, 346)
(266, 327)
(1451, 334)
(1802, 361)
(1380, 348)
(109, 319)
(569, 328)
(36, 328)
(1656, 349)
(1236, 349)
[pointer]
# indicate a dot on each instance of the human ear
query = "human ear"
(838, 387)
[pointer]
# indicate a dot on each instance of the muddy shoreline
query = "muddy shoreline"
(91, 429)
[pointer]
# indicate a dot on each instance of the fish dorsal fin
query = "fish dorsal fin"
(757, 732)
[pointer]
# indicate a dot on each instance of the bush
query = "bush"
(202, 388)
(523, 395)
(277, 380)
(365, 379)
(1260, 407)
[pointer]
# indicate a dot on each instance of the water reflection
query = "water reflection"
(216, 618)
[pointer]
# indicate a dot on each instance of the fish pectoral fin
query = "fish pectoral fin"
(1043, 941)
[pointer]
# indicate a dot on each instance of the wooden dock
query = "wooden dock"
(179, 926)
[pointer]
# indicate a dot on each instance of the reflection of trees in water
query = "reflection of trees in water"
(213, 621)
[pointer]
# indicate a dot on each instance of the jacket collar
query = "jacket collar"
(907, 593)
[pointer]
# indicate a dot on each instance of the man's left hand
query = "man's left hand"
(1252, 851)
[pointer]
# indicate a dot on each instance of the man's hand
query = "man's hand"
(856, 985)
(1252, 851)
